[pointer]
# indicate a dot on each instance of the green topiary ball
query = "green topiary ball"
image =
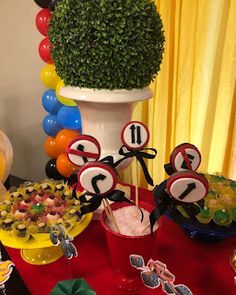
(107, 44)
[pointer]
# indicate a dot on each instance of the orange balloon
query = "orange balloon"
(64, 166)
(51, 148)
(63, 138)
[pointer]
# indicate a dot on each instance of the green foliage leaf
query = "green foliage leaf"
(107, 44)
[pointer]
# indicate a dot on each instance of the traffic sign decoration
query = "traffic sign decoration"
(187, 187)
(183, 189)
(135, 135)
(97, 178)
(185, 157)
(83, 149)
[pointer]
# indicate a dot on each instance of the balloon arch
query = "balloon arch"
(63, 122)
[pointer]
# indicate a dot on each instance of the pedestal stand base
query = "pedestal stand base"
(42, 256)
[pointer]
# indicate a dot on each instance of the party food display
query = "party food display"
(29, 212)
(220, 202)
(211, 218)
(85, 43)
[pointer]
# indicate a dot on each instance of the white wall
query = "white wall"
(21, 111)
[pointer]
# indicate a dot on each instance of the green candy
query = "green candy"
(222, 217)
(204, 216)
(233, 212)
(233, 184)
(37, 209)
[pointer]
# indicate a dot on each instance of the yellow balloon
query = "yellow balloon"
(49, 76)
(63, 100)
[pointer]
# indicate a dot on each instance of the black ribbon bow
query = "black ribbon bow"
(140, 156)
(165, 203)
(169, 169)
(90, 205)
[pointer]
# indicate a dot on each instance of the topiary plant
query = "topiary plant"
(110, 44)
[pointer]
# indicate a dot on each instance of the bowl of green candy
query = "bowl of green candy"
(217, 218)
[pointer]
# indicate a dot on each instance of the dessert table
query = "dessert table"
(203, 267)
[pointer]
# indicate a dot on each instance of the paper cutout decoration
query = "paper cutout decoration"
(135, 135)
(15, 284)
(83, 149)
(187, 187)
(72, 287)
(184, 157)
(58, 235)
(6, 268)
(97, 178)
(155, 273)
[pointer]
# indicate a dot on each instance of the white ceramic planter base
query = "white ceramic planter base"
(104, 113)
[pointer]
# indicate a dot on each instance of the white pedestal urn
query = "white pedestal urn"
(104, 113)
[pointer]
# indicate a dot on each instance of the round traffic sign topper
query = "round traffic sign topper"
(135, 135)
(83, 149)
(187, 187)
(97, 178)
(185, 157)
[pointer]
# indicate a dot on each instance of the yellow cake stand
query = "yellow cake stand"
(43, 252)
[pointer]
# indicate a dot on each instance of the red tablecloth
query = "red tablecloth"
(204, 268)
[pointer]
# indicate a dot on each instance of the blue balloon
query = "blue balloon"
(50, 125)
(50, 102)
(69, 118)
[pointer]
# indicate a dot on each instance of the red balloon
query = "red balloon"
(44, 51)
(42, 21)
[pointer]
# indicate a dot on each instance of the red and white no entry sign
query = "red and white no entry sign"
(187, 187)
(185, 157)
(83, 149)
(97, 178)
(135, 135)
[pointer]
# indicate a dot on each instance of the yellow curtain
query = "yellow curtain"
(194, 94)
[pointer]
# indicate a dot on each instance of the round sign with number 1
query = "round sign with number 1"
(135, 135)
